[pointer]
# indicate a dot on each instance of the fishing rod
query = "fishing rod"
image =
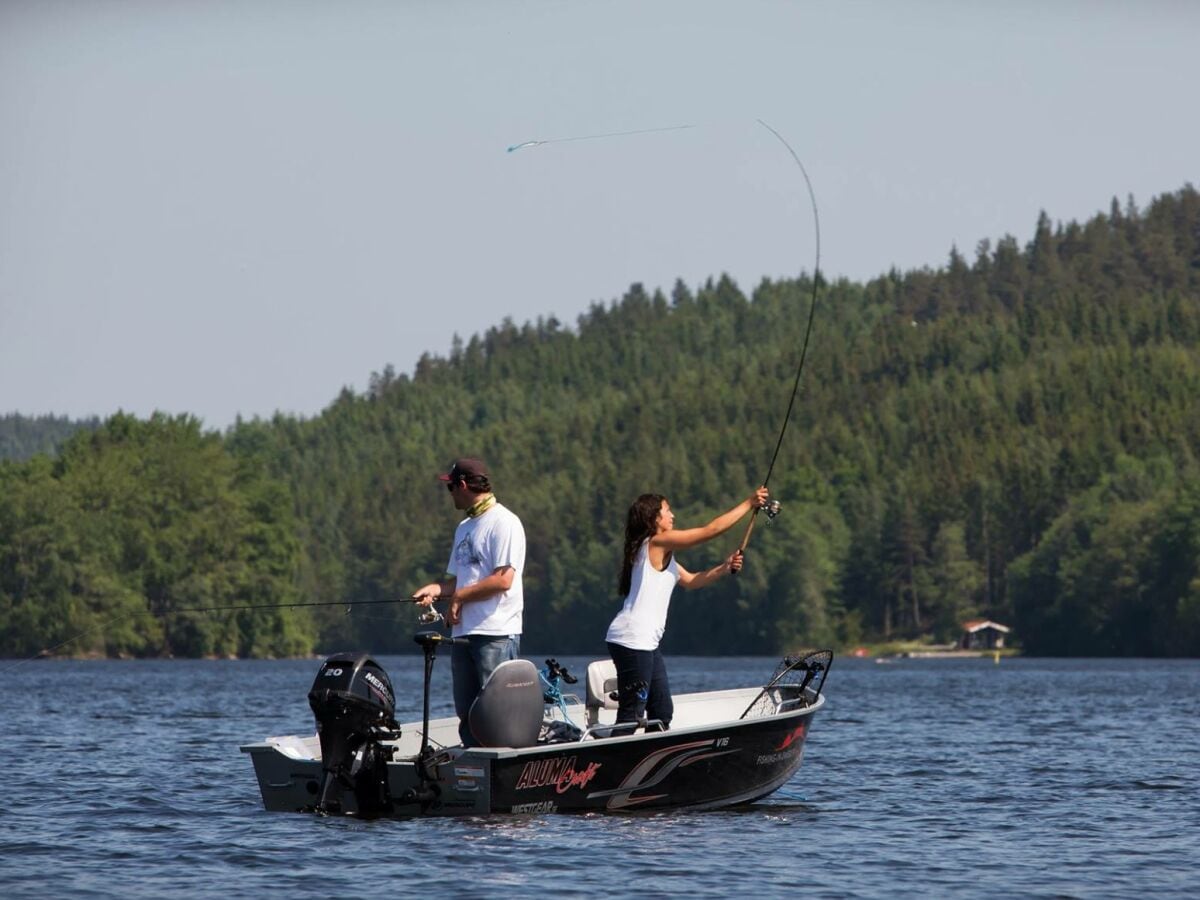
(429, 617)
(297, 605)
(772, 507)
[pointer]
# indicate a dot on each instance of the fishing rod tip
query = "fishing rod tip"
(525, 144)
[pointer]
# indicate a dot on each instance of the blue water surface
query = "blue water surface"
(1048, 778)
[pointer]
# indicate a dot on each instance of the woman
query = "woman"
(648, 577)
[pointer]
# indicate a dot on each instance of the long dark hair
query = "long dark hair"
(639, 525)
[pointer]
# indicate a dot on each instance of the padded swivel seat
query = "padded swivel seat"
(601, 685)
(509, 709)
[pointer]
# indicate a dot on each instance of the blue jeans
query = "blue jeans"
(471, 664)
(646, 666)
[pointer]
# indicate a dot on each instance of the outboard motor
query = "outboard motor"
(355, 708)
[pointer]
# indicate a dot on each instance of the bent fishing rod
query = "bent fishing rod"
(772, 507)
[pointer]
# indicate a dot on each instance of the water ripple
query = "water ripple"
(942, 777)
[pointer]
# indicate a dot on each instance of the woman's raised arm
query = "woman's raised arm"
(682, 538)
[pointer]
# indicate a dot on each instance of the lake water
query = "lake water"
(1027, 778)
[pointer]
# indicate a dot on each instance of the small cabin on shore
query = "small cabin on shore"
(983, 634)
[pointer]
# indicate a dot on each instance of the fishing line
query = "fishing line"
(592, 137)
(46, 652)
(816, 280)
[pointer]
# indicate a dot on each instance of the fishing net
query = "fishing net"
(556, 731)
(795, 684)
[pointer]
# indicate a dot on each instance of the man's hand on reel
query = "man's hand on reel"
(426, 595)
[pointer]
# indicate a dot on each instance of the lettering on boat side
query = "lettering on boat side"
(540, 807)
(767, 759)
(559, 772)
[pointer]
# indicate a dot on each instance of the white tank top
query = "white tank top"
(640, 623)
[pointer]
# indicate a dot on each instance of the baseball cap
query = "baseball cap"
(465, 467)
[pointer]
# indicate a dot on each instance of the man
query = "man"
(482, 583)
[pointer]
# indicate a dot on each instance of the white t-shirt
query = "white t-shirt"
(641, 622)
(483, 544)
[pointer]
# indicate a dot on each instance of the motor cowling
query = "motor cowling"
(355, 707)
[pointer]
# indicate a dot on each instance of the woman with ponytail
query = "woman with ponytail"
(648, 576)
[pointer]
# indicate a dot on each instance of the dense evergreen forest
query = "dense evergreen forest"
(24, 436)
(1013, 435)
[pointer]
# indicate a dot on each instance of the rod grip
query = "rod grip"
(746, 536)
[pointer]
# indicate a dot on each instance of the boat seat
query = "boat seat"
(601, 688)
(508, 711)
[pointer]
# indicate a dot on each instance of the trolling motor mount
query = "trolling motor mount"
(427, 791)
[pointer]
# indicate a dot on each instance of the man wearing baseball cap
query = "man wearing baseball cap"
(482, 583)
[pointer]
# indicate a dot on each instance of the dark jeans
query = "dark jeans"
(471, 664)
(641, 665)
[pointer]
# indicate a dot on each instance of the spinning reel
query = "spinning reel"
(431, 616)
(771, 508)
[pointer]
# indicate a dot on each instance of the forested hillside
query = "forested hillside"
(1013, 435)
(102, 547)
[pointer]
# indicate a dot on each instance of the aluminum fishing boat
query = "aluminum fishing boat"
(541, 751)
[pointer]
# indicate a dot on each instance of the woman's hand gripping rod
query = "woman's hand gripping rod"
(771, 508)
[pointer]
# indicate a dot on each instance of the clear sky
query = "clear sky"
(242, 207)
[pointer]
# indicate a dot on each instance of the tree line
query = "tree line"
(1011, 436)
